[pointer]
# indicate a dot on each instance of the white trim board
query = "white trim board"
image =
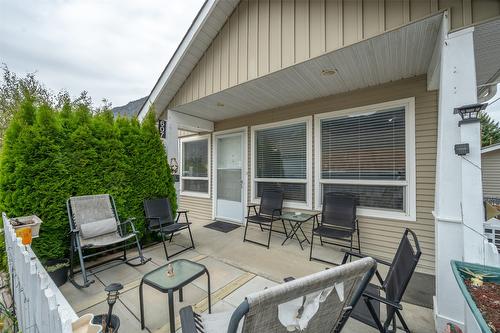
(209, 164)
(409, 104)
(309, 177)
(244, 131)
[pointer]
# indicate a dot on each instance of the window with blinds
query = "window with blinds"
(281, 160)
(365, 155)
(194, 166)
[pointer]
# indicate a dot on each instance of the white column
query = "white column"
(455, 181)
(172, 146)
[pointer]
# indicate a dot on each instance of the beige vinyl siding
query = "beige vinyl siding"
(379, 237)
(490, 164)
(263, 36)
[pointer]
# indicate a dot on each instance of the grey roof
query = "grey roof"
(131, 109)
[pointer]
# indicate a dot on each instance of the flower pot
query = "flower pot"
(459, 268)
(101, 320)
(31, 221)
(59, 276)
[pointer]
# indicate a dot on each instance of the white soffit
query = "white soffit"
(487, 51)
(401, 53)
(206, 25)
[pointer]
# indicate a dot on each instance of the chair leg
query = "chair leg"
(245, 234)
(284, 227)
(164, 245)
(359, 241)
(171, 236)
(71, 259)
(376, 319)
(403, 322)
(86, 281)
(269, 237)
(312, 244)
(139, 249)
(191, 236)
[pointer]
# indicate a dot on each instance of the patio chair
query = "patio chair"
(94, 224)
(338, 222)
(400, 272)
(160, 220)
(271, 205)
(334, 293)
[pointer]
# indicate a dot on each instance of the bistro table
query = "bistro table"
(184, 272)
(296, 220)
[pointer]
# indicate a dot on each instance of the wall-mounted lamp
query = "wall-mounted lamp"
(462, 149)
(174, 166)
(470, 113)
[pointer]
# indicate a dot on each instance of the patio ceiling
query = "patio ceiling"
(487, 51)
(401, 53)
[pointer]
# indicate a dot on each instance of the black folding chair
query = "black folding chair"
(338, 222)
(400, 272)
(160, 220)
(271, 205)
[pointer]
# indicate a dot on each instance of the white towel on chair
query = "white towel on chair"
(288, 312)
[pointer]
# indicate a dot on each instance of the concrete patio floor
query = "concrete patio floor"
(236, 269)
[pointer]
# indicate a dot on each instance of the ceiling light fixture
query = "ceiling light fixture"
(328, 72)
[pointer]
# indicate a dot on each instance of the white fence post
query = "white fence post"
(39, 305)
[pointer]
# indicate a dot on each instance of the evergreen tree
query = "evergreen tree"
(490, 130)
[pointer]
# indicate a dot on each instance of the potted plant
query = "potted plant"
(31, 221)
(480, 286)
(58, 270)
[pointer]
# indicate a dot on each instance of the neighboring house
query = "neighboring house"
(131, 109)
(490, 166)
(336, 95)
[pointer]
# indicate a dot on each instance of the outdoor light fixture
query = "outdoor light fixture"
(462, 149)
(469, 113)
(174, 166)
(110, 322)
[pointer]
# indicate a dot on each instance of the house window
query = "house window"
(370, 153)
(195, 166)
(280, 160)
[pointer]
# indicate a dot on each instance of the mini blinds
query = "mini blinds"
(281, 160)
(365, 155)
(365, 147)
(282, 152)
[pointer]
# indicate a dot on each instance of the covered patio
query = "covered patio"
(236, 269)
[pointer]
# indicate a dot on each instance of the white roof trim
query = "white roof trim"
(490, 148)
(166, 77)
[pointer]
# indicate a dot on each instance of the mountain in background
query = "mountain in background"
(131, 109)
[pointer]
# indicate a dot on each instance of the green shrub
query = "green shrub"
(51, 153)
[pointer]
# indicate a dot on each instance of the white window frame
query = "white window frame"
(308, 181)
(410, 182)
(209, 166)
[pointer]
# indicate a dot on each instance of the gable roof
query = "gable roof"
(490, 148)
(206, 25)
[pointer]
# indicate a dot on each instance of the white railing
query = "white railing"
(40, 306)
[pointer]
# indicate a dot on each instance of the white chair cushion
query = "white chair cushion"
(98, 228)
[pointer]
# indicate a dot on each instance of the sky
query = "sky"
(114, 49)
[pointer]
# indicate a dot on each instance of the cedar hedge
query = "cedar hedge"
(51, 153)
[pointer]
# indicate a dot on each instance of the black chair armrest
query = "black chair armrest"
(383, 300)
(252, 205)
(74, 231)
(288, 279)
(358, 255)
(182, 211)
(188, 321)
(128, 221)
(179, 213)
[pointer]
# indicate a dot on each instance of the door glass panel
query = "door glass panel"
(229, 166)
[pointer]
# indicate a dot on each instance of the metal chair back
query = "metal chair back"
(91, 208)
(402, 268)
(339, 210)
(158, 213)
(270, 202)
(261, 309)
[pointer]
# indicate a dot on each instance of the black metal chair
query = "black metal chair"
(270, 208)
(338, 222)
(400, 272)
(160, 220)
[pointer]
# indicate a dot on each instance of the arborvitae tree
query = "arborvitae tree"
(51, 153)
(490, 130)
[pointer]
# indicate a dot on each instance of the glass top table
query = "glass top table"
(184, 272)
(295, 220)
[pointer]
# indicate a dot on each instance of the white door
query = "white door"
(229, 196)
